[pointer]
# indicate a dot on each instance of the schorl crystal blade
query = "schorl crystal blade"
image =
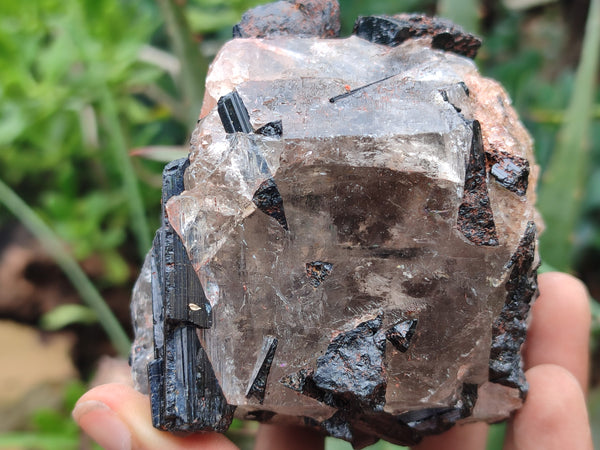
(184, 392)
(234, 114)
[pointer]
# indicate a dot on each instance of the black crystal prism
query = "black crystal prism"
(510, 328)
(511, 172)
(393, 30)
(268, 199)
(234, 114)
(184, 392)
(400, 335)
(258, 380)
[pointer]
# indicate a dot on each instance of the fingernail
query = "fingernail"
(102, 425)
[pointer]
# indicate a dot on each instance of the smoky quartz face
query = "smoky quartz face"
(356, 230)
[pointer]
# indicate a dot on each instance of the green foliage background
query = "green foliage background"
(85, 82)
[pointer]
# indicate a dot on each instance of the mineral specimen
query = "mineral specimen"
(351, 244)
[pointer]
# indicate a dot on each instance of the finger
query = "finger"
(560, 326)
(471, 436)
(276, 437)
(554, 415)
(118, 417)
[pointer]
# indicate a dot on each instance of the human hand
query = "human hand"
(553, 417)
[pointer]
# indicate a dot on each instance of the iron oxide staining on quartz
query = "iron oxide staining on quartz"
(388, 299)
(317, 271)
(475, 216)
(262, 368)
(394, 30)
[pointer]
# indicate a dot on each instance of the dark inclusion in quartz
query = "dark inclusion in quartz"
(475, 217)
(262, 368)
(512, 172)
(272, 129)
(317, 271)
(268, 199)
(401, 334)
(389, 298)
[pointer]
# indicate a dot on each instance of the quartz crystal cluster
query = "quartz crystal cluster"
(350, 245)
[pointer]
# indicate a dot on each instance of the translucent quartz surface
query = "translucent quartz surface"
(371, 185)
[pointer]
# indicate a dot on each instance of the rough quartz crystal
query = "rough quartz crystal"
(360, 224)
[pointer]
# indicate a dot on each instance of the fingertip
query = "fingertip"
(102, 424)
(554, 415)
(118, 417)
(559, 330)
(564, 285)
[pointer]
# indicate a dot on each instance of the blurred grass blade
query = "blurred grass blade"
(561, 189)
(160, 153)
(496, 434)
(78, 278)
(526, 4)
(462, 12)
(139, 223)
(193, 64)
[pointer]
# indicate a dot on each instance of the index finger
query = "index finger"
(559, 332)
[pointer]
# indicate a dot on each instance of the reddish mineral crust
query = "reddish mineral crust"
(371, 263)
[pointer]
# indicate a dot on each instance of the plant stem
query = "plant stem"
(51, 242)
(139, 223)
(193, 64)
(563, 183)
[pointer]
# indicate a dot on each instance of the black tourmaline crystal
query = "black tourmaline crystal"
(184, 392)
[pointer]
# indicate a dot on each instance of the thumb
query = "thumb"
(118, 418)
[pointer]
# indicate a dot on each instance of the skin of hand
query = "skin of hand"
(553, 417)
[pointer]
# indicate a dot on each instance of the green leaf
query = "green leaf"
(50, 421)
(12, 122)
(66, 315)
(193, 64)
(42, 441)
(73, 392)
